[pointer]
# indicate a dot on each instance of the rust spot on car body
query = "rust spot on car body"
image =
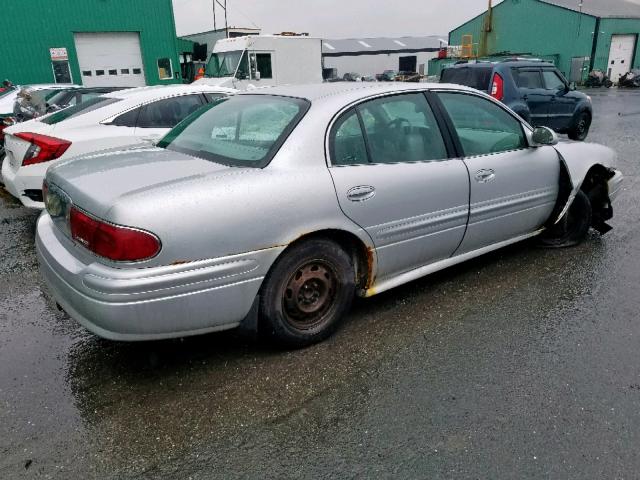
(369, 290)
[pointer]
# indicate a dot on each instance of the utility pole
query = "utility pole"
(487, 28)
(226, 23)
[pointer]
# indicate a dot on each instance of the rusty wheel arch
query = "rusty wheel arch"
(363, 256)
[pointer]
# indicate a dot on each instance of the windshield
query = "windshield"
(225, 64)
(80, 109)
(246, 130)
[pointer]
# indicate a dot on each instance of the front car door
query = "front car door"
(563, 104)
(513, 187)
(537, 98)
(395, 177)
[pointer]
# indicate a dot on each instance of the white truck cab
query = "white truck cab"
(264, 60)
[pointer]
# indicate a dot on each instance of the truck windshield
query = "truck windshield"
(225, 64)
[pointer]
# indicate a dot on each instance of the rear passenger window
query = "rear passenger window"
(482, 126)
(402, 128)
(169, 112)
(348, 147)
(128, 119)
(527, 78)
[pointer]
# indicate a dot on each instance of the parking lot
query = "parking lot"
(522, 363)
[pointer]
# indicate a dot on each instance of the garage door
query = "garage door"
(621, 55)
(110, 59)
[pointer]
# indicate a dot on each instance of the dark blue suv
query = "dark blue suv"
(535, 90)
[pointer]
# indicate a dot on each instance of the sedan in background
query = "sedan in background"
(76, 96)
(272, 208)
(8, 100)
(115, 120)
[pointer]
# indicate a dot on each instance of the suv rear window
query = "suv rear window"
(474, 77)
(80, 109)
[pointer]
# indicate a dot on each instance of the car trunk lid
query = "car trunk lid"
(96, 183)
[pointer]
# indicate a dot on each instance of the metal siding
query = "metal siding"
(24, 55)
(531, 26)
(615, 26)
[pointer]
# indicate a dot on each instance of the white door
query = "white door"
(110, 59)
(620, 55)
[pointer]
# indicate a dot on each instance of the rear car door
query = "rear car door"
(562, 104)
(158, 117)
(513, 186)
(394, 177)
(534, 94)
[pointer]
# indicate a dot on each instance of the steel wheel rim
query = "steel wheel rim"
(582, 126)
(309, 294)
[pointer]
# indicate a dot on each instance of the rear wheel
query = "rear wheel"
(573, 227)
(580, 129)
(307, 293)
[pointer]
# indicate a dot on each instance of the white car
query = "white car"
(115, 120)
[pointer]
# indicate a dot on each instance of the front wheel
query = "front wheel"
(572, 229)
(307, 293)
(580, 129)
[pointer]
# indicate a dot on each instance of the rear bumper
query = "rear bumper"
(16, 184)
(134, 304)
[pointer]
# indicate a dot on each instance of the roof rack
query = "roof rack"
(522, 59)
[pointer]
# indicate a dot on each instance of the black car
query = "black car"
(535, 90)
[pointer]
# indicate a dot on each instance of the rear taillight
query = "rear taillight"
(115, 242)
(43, 148)
(497, 87)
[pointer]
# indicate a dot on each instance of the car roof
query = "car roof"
(354, 90)
(160, 91)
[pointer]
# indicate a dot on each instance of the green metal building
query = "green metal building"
(579, 35)
(91, 42)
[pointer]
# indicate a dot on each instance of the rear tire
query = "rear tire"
(580, 129)
(572, 229)
(306, 293)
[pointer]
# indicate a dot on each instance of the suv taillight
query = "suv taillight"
(115, 242)
(43, 148)
(497, 87)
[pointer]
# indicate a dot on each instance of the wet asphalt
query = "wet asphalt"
(522, 364)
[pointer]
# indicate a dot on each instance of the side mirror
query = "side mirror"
(572, 86)
(257, 75)
(543, 136)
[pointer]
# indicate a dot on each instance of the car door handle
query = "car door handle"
(485, 175)
(361, 193)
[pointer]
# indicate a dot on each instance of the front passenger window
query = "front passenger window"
(482, 126)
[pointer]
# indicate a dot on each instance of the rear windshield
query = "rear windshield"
(80, 109)
(476, 77)
(246, 130)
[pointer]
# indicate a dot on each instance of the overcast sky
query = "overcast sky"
(332, 18)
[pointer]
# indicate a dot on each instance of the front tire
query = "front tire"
(580, 129)
(572, 229)
(306, 293)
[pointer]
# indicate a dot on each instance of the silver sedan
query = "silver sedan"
(271, 209)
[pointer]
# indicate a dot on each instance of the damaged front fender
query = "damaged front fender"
(589, 167)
